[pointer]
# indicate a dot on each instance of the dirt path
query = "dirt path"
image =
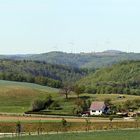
(37, 118)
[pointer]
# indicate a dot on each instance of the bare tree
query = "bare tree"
(66, 90)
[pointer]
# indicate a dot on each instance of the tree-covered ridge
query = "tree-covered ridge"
(81, 60)
(38, 72)
(84, 60)
(119, 78)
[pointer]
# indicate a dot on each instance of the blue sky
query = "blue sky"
(38, 26)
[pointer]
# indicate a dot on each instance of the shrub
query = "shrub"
(48, 101)
(38, 105)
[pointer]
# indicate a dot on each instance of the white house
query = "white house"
(97, 108)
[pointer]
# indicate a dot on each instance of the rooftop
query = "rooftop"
(97, 105)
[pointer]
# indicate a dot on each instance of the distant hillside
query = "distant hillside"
(84, 60)
(113, 52)
(38, 72)
(119, 78)
(81, 60)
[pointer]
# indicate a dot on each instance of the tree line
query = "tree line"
(39, 72)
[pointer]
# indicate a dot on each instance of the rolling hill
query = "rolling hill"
(16, 97)
(81, 60)
(84, 60)
(119, 78)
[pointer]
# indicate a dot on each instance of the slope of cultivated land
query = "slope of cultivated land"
(17, 96)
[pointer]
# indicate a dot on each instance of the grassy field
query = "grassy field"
(114, 97)
(16, 97)
(106, 135)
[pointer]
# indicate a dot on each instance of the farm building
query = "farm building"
(97, 108)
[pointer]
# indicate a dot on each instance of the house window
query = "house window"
(93, 110)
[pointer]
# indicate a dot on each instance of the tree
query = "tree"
(108, 90)
(137, 102)
(48, 101)
(39, 129)
(88, 103)
(111, 119)
(92, 90)
(110, 108)
(40, 104)
(66, 90)
(18, 128)
(88, 123)
(79, 90)
(85, 105)
(81, 105)
(127, 105)
(107, 102)
(126, 91)
(137, 121)
(77, 110)
(64, 124)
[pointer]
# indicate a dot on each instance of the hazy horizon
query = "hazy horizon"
(67, 52)
(33, 27)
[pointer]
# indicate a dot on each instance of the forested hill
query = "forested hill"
(81, 60)
(85, 60)
(119, 78)
(38, 72)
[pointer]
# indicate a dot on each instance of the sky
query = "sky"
(39, 26)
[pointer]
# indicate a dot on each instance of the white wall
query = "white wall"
(97, 112)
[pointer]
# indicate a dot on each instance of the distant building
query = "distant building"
(97, 108)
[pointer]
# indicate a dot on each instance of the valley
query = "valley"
(42, 96)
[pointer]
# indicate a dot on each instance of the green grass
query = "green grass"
(27, 85)
(29, 121)
(16, 97)
(106, 135)
(68, 105)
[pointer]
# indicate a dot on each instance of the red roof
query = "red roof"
(97, 106)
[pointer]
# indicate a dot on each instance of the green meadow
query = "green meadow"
(16, 97)
(106, 135)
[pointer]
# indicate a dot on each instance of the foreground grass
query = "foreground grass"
(106, 135)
